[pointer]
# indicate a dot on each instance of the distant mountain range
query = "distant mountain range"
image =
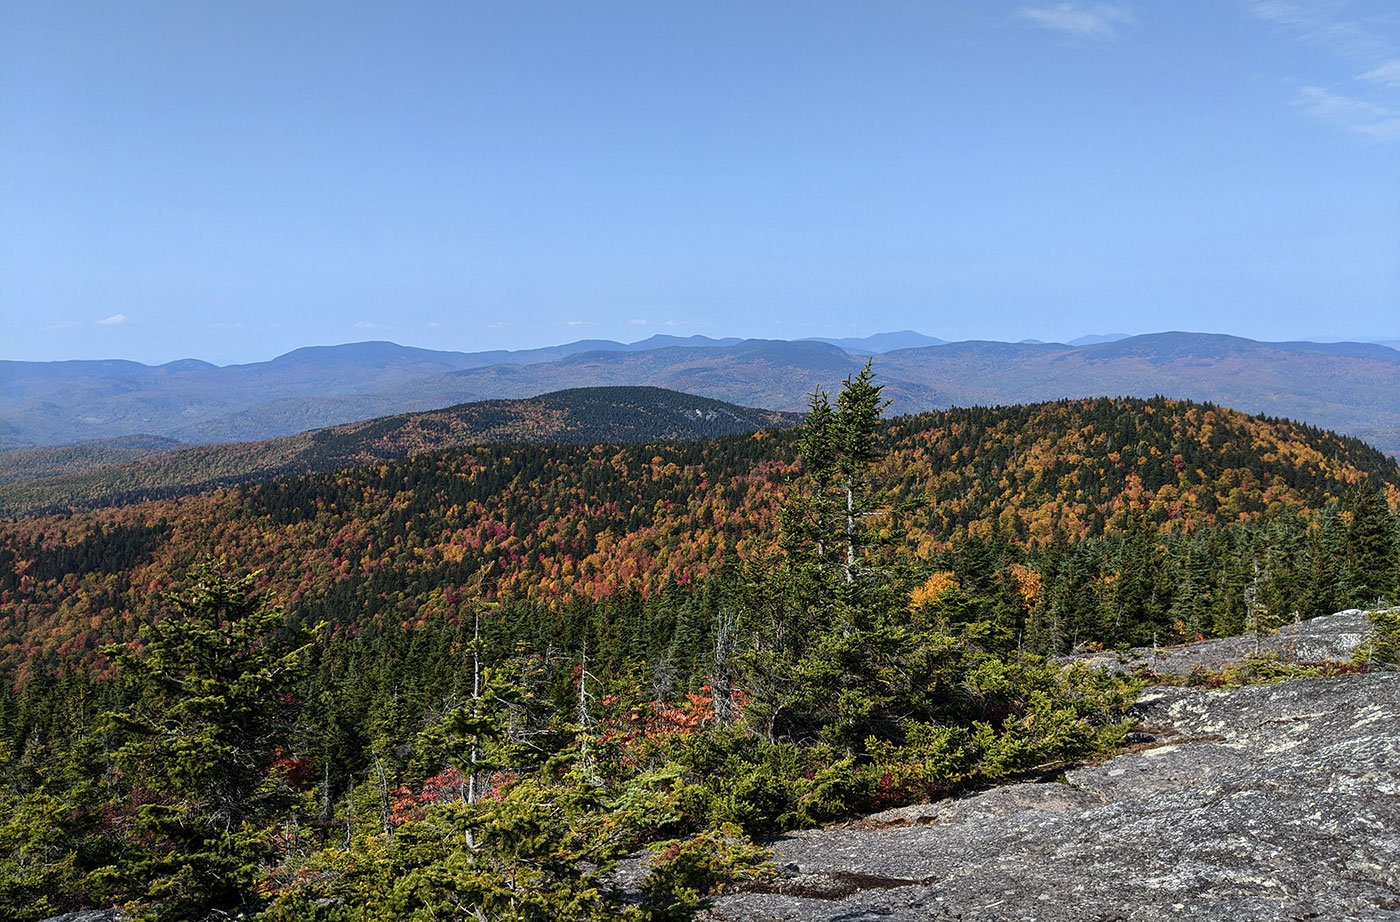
(881, 342)
(1350, 387)
(1094, 339)
(37, 479)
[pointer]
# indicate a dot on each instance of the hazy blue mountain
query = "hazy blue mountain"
(776, 374)
(1166, 347)
(1095, 338)
(880, 342)
(56, 403)
(663, 340)
(1351, 387)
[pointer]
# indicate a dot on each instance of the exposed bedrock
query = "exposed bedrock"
(1329, 638)
(1274, 802)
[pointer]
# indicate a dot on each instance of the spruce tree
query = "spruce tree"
(211, 707)
(826, 522)
(1373, 549)
(809, 670)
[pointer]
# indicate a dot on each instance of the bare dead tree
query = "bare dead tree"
(721, 677)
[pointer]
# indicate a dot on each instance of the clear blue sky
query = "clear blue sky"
(232, 180)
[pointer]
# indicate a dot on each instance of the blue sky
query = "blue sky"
(231, 181)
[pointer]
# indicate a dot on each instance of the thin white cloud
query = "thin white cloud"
(365, 325)
(1098, 22)
(1366, 105)
(638, 322)
(1319, 22)
(433, 324)
(496, 325)
(1360, 115)
(1326, 104)
(579, 323)
(1387, 129)
(1388, 74)
(113, 320)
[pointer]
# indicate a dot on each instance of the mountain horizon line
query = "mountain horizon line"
(874, 344)
(1350, 387)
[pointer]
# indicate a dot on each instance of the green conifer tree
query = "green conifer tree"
(1373, 548)
(211, 692)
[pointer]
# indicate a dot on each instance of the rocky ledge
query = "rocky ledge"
(1277, 802)
(1326, 639)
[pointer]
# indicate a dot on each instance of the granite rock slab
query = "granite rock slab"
(1278, 802)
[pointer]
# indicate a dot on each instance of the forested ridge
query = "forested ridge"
(1065, 494)
(31, 463)
(465, 684)
(39, 480)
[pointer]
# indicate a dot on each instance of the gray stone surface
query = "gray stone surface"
(1331, 638)
(1277, 802)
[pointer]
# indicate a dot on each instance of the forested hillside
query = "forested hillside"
(1116, 520)
(33, 463)
(580, 416)
(469, 683)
